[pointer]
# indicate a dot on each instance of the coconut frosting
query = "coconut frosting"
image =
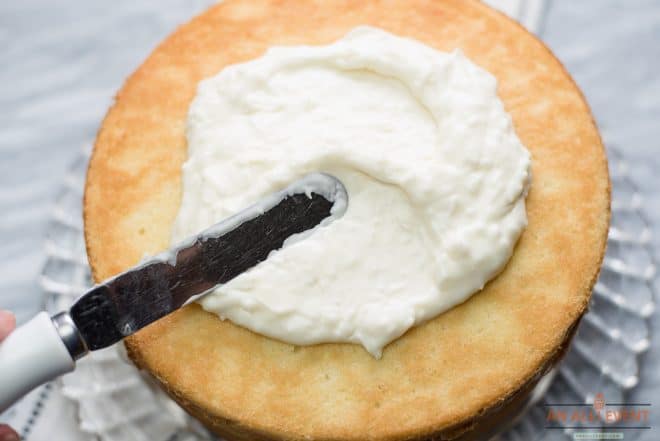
(435, 174)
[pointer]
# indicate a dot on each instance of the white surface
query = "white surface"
(30, 356)
(410, 131)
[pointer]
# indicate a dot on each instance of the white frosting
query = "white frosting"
(435, 174)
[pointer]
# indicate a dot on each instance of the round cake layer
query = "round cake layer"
(440, 378)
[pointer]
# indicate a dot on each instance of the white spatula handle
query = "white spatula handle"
(30, 356)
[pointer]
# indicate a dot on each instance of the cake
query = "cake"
(456, 376)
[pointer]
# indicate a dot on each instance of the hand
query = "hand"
(7, 324)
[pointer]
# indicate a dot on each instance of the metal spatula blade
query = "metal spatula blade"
(45, 348)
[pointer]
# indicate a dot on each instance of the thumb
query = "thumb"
(7, 324)
(7, 434)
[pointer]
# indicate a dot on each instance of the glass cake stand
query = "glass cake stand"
(116, 402)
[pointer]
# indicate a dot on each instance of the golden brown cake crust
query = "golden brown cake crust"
(439, 378)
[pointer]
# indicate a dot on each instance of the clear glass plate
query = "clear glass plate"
(117, 403)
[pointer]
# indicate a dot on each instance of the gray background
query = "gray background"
(61, 63)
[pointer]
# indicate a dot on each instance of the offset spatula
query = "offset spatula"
(46, 347)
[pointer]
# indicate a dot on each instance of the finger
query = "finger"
(7, 324)
(7, 434)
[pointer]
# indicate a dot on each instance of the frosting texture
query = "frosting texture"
(435, 173)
